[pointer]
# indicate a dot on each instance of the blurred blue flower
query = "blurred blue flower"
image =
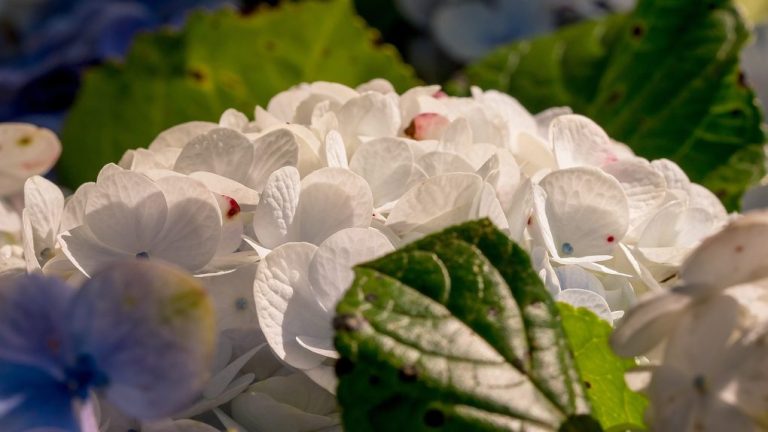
(469, 29)
(138, 333)
(44, 45)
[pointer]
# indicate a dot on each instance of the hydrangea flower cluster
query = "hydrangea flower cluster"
(270, 214)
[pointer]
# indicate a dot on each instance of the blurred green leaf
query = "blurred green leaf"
(457, 332)
(613, 403)
(218, 61)
(664, 79)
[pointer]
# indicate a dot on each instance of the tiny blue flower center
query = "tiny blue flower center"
(142, 255)
(241, 304)
(566, 248)
(83, 376)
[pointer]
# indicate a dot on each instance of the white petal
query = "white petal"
(178, 136)
(221, 151)
(330, 272)
(436, 203)
(587, 299)
(733, 256)
(192, 229)
(286, 305)
(388, 181)
(534, 154)
(648, 323)
(330, 200)
(232, 296)
(291, 403)
(702, 338)
(578, 141)
(233, 119)
(245, 196)
(273, 151)
(322, 346)
(275, 213)
(575, 277)
(44, 205)
(673, 174)
(438, 163)
(335, 152)
(587, 211)
(379, 85)
(645, 187)
(126, 211)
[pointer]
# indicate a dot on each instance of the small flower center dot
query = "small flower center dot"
(241, 304)
(567, 248)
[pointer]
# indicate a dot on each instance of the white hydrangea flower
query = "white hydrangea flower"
(272, 213)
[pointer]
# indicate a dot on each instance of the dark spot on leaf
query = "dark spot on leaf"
(374, 380)
(587, 384)
(343, 366)
(269, 45)
(347, 322)
(196, 74)
(370, 297)
(737, 112)
(638, 30)
(325, 52)
(408, 373)
(711, 6)
(615, 97)
(434, 418)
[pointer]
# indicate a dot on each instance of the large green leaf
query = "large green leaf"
(218, 61)
(663, 79)
(614, 404)
(456, 332)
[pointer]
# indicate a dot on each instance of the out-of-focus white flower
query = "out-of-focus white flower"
(707, 335)
(25, 150)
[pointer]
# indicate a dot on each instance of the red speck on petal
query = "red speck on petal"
(439, 95)
(739, 249)
(234, 208)
(610, 239)
(530, 220)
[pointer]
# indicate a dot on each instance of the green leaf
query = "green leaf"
(614, 404)
(664, 79)
(456, 332)
(218, 61)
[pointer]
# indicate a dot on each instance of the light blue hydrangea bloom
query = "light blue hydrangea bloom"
(139, 334)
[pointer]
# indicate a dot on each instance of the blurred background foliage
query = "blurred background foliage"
(668, 77)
